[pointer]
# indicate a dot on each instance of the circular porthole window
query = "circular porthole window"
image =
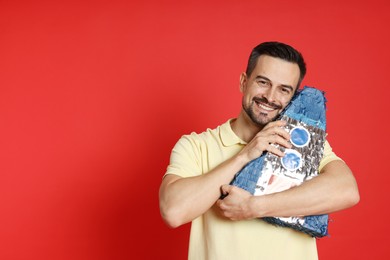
(292, 160)
(299, 136)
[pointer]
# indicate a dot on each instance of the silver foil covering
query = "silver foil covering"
(299, 164)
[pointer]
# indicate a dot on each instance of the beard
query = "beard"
(261, 119)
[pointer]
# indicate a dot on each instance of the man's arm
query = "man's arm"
(184, 199)
(333, 190)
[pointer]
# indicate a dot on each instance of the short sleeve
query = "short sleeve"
(329, 156)
(185, 160)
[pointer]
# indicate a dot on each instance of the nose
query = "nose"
(270, 95)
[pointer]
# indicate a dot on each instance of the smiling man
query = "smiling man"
(202, 165)
(268, 88)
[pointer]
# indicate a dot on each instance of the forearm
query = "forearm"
(333, 190)
(184, 199)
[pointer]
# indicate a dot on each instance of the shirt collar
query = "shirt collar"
(227, 135)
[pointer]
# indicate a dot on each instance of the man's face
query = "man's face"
(268, 89)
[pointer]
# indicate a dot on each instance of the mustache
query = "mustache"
(265, 101)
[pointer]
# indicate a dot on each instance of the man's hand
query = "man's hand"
(236, 205)
(272, 133)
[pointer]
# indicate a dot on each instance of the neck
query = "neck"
(244, 128)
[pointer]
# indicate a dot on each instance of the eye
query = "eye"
(263, 82)
(286, 90)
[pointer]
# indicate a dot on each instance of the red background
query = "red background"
(94, 94)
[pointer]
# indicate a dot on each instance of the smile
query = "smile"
(265, 107)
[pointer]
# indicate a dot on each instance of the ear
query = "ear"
(243, 80)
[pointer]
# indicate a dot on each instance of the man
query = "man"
(202, 166)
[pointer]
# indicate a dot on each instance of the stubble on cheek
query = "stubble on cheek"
(260, 118)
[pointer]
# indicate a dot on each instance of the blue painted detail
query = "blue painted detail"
(299, 136)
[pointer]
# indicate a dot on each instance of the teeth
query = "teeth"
(266, 108)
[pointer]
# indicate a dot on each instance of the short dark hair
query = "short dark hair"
(277, 50)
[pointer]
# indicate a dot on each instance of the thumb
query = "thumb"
(225, 189)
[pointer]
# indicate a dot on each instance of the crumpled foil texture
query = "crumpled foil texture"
(306, 123)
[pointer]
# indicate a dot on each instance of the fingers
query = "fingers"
(276, 128)
(278, 123)
(280, 140)
(235, 205)
(225, 189)
(268, 139)
(272, 149)
(281, 132)
(274, 133)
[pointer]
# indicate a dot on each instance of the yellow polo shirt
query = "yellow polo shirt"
(216, 238)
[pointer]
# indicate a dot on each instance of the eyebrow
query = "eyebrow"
(267, 79)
